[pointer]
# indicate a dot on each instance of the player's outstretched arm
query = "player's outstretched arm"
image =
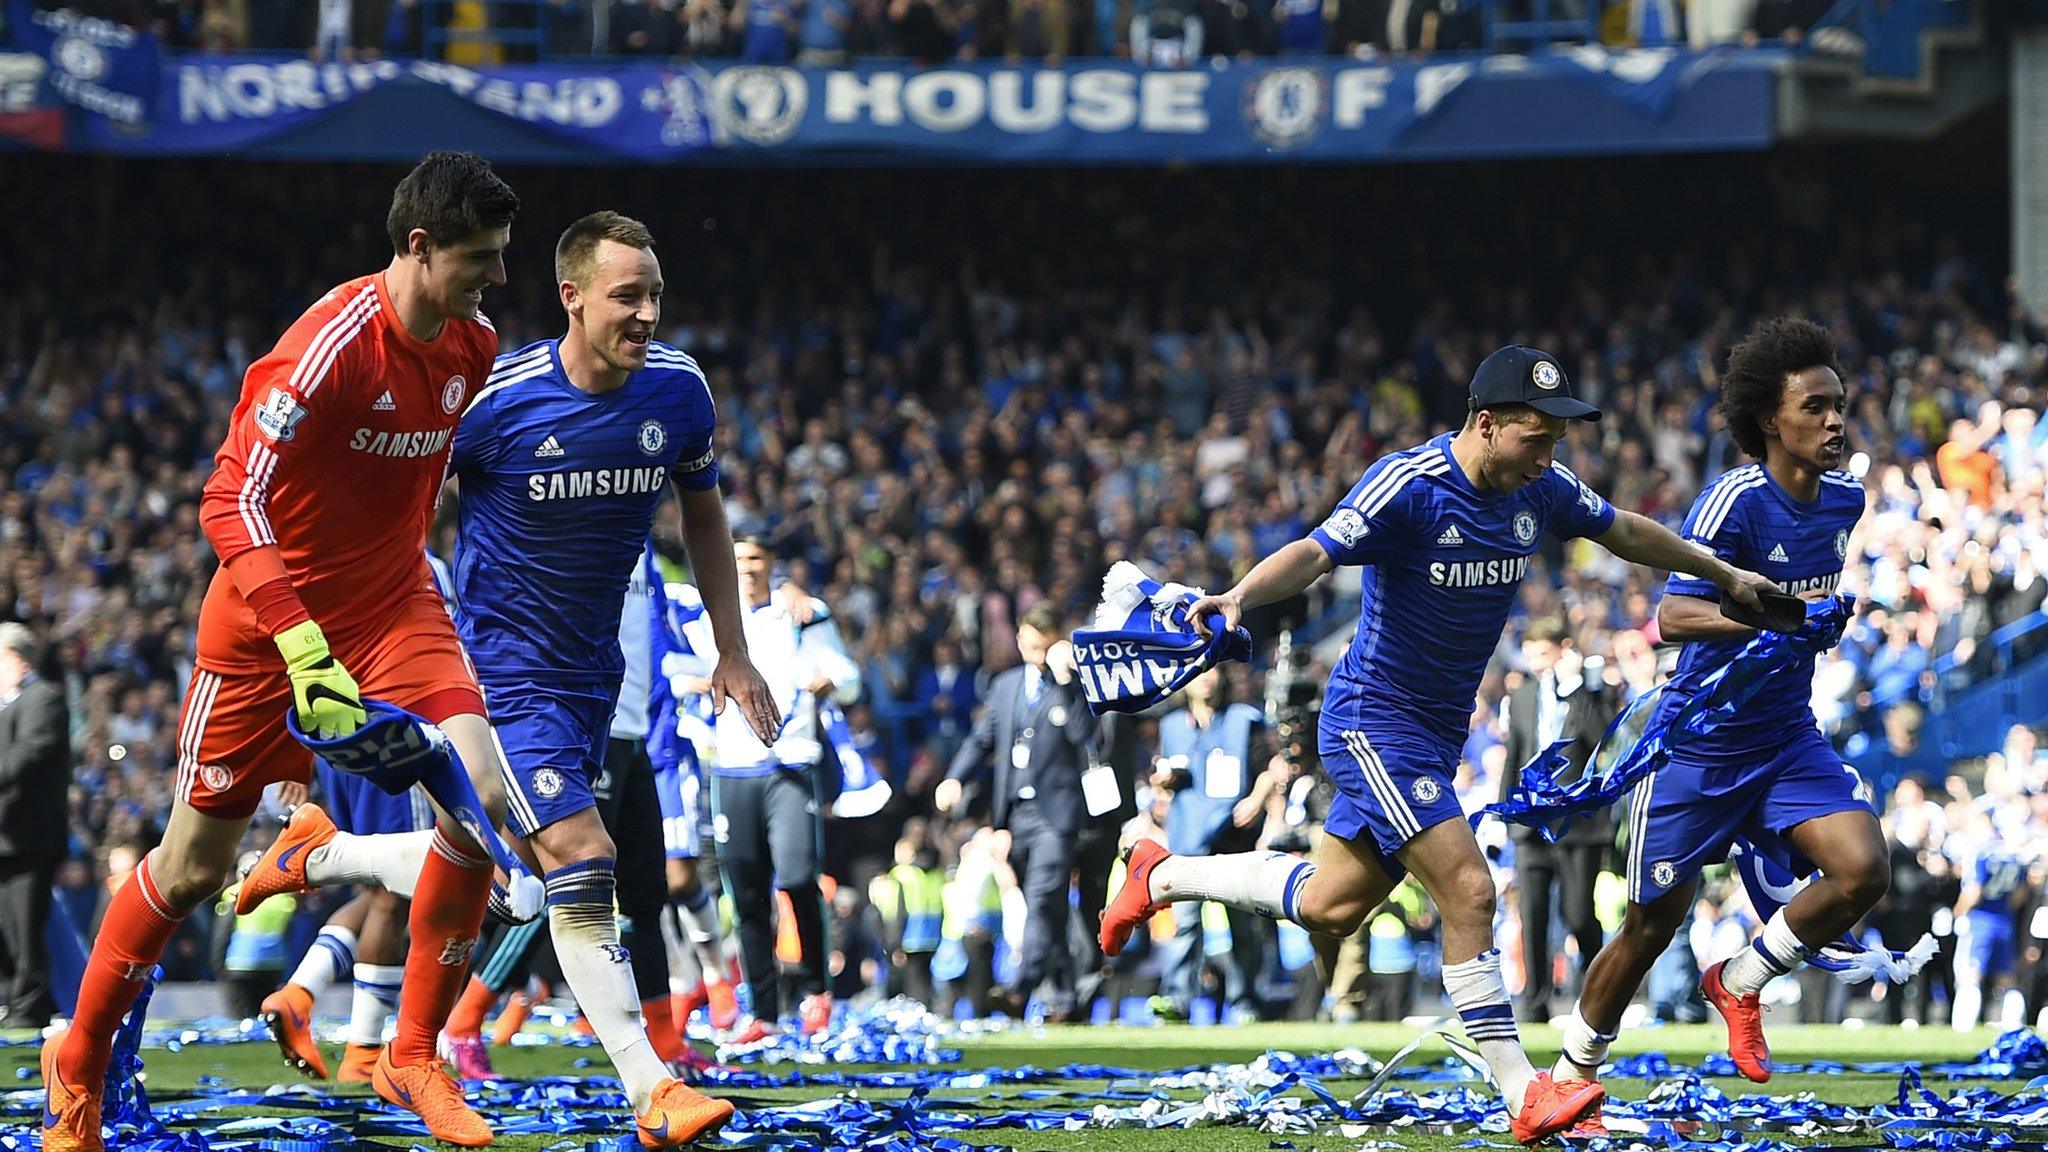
(707, 539)
(1283, 574)
(1644, 541)
(1682, 619)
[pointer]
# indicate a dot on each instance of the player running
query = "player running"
(1994, 875)
(1446, 530)
(561, 462)
(318, 509)
(1769, 773)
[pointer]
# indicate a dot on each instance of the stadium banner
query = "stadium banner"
(108, 70)
(26, 118)
(1580, 101)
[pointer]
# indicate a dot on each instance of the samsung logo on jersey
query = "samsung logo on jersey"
(1476, 573)
(600, 482)
(400, 445)
(1816, 584)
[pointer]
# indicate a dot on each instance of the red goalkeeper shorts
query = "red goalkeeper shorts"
(232, 741)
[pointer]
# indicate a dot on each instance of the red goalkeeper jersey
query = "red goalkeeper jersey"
(336, 454)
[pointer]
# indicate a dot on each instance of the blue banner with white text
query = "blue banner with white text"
(1580, 101)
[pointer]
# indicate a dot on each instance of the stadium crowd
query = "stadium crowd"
(1159, 33)
(940, 419)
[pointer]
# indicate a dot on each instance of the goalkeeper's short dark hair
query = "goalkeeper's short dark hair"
(451, 195)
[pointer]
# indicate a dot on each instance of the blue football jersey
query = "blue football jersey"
(558, 492)
(1998, 873)
(1747, 520)
(1445, 560)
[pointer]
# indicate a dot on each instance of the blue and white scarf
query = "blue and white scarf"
(394, 749)
(1142, 646)
(863, 789)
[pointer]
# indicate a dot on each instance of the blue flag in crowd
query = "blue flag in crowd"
(1142, 646)
(102, 67)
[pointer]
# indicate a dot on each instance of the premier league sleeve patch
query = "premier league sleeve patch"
(279, 415)
(1346, 526)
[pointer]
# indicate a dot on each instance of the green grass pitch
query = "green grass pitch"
(172, 1075)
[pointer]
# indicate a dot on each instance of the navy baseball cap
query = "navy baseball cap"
(1519, 374)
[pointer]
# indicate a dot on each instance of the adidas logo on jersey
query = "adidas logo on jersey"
(1778, 554)
(549, 449)
(1451, 537)
(385, 403)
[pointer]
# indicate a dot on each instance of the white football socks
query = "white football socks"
(1774, 952)
(1481, 998)
(698, 915)
(332, 956)
(391, 861)
(376, 998)
(1584, 1048)
(684, 973)
(585, 929)
(1268, 883)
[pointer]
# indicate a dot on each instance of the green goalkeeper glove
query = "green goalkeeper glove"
(329, 703)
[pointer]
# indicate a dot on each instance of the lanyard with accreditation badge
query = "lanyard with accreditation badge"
(1099, 791)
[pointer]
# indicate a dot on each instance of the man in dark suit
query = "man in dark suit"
(35, 777)
(1563, 697)
(1032, 739)
(946, 692)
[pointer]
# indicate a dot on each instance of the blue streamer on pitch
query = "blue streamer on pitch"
(1280, 1094)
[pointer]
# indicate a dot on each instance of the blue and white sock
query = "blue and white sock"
(332, 957)
(1481, 998)
(698, 914)
(585, 927)
(376, 999)
(684, 972)
(1585, 1048)
(1268, 883)
(1774, 952)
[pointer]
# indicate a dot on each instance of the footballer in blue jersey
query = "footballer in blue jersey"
(1767, 775)
(1445, 531)
(561, 461)
(1994, 876)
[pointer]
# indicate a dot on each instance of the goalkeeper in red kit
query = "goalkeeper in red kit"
(319, 508)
